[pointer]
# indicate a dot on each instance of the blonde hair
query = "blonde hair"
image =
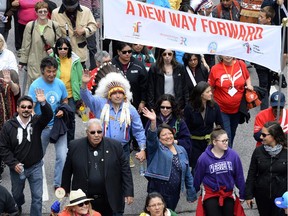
(70, 209)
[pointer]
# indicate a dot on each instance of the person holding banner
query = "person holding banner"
(228, 79)
(166, 76)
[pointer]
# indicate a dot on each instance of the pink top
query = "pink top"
(26, 11)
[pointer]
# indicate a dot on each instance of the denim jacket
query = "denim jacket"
(159, 163)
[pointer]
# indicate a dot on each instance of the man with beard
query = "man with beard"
(21, 149)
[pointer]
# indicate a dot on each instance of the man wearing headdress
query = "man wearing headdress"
(112, 106)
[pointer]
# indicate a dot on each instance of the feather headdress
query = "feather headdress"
(114, 80)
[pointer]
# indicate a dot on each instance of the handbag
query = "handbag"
(252, 99)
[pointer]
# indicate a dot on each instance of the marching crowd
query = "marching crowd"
(179, 110)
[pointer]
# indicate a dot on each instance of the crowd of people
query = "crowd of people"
(179, 110)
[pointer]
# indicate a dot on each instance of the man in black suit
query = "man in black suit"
(101, 169)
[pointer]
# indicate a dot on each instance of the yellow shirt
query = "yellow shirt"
(65, 75)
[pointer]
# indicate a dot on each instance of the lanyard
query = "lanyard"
(231, 71)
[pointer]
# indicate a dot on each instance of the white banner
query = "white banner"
(147, 24)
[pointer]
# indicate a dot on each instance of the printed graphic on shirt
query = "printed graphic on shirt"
(227, 76)
(52, 97)
(221, 167)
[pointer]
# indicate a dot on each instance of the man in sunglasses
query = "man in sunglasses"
(21, 149)
(270, 114)
(100, 168)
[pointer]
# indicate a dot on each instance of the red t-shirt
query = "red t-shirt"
(267, 115)
(222, 81)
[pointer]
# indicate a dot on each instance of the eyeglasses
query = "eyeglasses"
(165, 107)
(94, 132)
(86, 203)
(264, 135)
(165, 54)
(42, 11)
(156, 205)
(126, 51)
(63, 48)
(223, 141)
(28, 107)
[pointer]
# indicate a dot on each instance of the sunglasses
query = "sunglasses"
(165, 54)
(126, 51)
(94, 132)
(28, 107)
(165, 107)
(42, 11)
(63, 48)
(264, 135)
(86, 203)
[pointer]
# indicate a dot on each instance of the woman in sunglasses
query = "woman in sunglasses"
(168, 112)
(219, 170)
(168, 169)
(70, 72)
(166, 76)
(38, 39)
(267, 175)
(79, 205)
(135, 73)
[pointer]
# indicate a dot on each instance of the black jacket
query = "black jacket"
(137, 77)
(267, 174)
(156, 85)
(28, 152)
(118, 176)
(62, 125)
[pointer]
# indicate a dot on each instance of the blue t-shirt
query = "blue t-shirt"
(54, 92)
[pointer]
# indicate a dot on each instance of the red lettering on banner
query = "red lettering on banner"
(232, 30)
(185, 23)
(258, 34)
(204, 24)
(175, 19)
(221, 28)
(213, 27)
(193, 22)
(130, 8)
(242, 33)
(151, 13)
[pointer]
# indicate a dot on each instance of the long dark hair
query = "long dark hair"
(160, 61)
(176, 112)
(59, 43)
(151, 196)
(276, 131)
(144, 51)
(195, 98)
(187, 56)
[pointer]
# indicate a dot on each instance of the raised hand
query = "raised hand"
(6, 76)
(86, 76)
(149, 114)
(40, 96)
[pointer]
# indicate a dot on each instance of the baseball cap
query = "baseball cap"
(275, 97)
(282, 202)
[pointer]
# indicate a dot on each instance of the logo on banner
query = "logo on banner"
(212, 47)
(183, 41)
(248, 48)
(136, 28)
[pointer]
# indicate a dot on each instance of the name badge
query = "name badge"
(232, 91)
(134, 71)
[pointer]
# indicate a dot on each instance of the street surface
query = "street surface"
(244, 144)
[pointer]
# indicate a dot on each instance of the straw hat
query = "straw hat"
(76, 197)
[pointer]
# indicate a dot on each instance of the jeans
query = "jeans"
(230, 122)
(60, 150)
(35, 178)
(91, 45)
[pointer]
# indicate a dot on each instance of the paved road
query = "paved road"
(244, 145)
